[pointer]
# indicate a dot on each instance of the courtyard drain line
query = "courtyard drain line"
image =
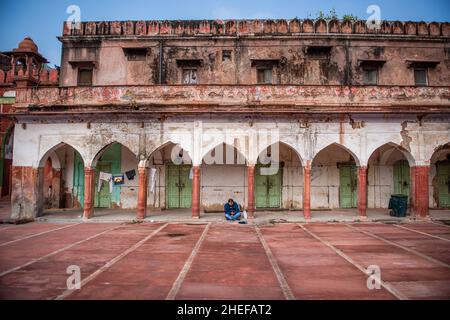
(56, 252)
(385, 285)
(38, 234)
(423, 256)
(276, 268)
(187, 266)
(111, 262)
(424, 233)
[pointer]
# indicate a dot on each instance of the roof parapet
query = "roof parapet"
(253, 27)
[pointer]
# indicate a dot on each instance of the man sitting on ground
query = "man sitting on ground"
(232, 210)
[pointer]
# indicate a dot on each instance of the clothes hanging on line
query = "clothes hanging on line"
(118, 179)
(152, 180)
(130, 174)
(104, 176)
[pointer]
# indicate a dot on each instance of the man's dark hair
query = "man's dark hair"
(230, 200)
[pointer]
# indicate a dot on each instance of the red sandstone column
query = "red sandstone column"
(421, 193)
(307, 191)
(362, 191)
(89, 175)
(142, 194)
(251, 191)
(412, 194)
(196, 192)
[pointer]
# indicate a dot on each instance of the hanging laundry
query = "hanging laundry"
(104, 176)
(131, 174)
(152, 180)
(118, 179)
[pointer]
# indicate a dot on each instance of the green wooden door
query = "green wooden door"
(178, 187)
(401, 177)
(443, 174)
(347, 186)
(268, 189)
(78, 180)
(102, 198)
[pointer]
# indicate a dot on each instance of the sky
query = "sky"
(42, 20)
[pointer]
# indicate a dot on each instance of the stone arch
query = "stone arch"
(407, 154)
(348, 150)
(441, 149)
(166, 144)
(102, 150)
(51, 153)
(239, 154)
(285, 143)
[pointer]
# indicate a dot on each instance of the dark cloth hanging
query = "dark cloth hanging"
(131, 174)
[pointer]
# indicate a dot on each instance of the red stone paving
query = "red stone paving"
(47, 278)
(148, 272)
(427, 245)
(313, 270)
(231, 262)
(11, 233)
(431, 228)
(396, 263)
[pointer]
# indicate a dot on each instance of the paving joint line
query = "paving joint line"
(110, 263)
(38, 234)
(276, 268)
(187, 265)
(421, 232)
(4, 273)
(384, 284)
(424, 256)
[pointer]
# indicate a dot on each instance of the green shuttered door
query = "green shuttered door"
(443, 175)
(347, 186)
(268, 189)
(179, 186)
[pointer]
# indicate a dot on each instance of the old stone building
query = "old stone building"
(279, 115)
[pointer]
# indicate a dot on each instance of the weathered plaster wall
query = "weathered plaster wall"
(359, 136)
(339, 66)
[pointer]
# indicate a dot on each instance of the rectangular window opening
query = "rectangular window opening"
(420, 77)
(264, 76)
(370, 76)
(84, 77)
(190, 76)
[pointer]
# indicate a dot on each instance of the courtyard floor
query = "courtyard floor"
(219, 260)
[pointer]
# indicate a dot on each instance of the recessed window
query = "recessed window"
(190, 76)
(84, 77)
(420, 77)
(136, 54)
(370, 76)
(264, 76)
(226, 55)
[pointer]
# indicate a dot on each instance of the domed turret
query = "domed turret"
(27, 44)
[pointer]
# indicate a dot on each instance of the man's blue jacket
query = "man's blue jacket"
(234, 208)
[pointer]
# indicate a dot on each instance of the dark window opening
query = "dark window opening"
(264, 76)
(85, 77)
(370, 76)
(226, 55)
(136, 54)
(420, 77)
